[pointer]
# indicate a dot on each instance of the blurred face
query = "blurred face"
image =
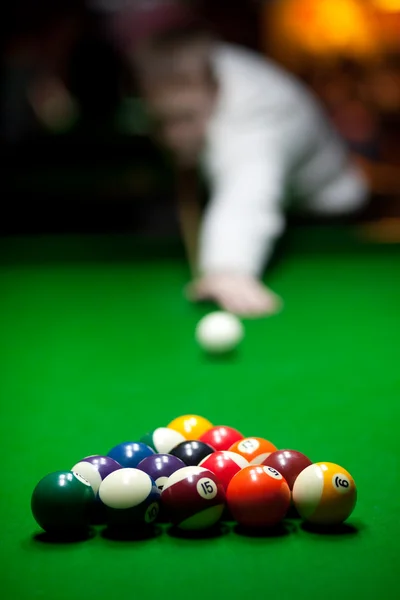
(181, 113)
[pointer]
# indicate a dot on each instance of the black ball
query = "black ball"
(192, 452)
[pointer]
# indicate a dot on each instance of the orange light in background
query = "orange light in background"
(323, 27)
(387, 5)
(295, 31)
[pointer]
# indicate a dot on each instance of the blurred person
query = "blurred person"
(263, 144)
(259, 138)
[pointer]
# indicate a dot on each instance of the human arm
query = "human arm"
(243, 220)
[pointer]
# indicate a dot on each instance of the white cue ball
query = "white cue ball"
(219, 332)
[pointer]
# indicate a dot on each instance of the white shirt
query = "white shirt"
(267, 133)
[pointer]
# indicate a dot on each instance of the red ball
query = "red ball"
(221, 437)
(258, 496)
(194, 498)
(289, 463)
(224, 465)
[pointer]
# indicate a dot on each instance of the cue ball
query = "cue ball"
(194, 498)
(324, 494)
(219, 332)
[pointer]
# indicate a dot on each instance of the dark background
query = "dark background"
(102, 173)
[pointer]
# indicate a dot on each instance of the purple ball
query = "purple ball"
(104, 464)
(160, 467)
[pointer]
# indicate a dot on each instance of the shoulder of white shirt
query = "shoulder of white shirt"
(240, 63)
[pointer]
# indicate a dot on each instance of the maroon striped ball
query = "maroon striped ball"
(194, 498)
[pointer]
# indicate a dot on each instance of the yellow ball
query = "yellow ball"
(191, 427)
(324, 494)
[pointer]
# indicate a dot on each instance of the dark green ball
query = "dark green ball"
(62, 502)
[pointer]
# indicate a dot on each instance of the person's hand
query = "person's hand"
(242, 295)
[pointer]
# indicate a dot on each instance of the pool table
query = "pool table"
(97, 347)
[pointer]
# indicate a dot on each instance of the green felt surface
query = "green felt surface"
(96, 347)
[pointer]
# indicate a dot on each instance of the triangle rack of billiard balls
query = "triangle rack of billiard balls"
(192, 477)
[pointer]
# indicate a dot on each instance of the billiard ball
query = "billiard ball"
(95, 468)
(192, 452)
(131, 498)
(289, 463)
(324, 494)
(129, 454)
(62, 503)
(221, 437)
(224, 465)
(190, 426)
(162, 439)
(219, 332)
(160, 467)
(255, 450)
(194, 498)
(258, 496)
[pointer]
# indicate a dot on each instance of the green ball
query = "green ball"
(62, 503)
(162, 439)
